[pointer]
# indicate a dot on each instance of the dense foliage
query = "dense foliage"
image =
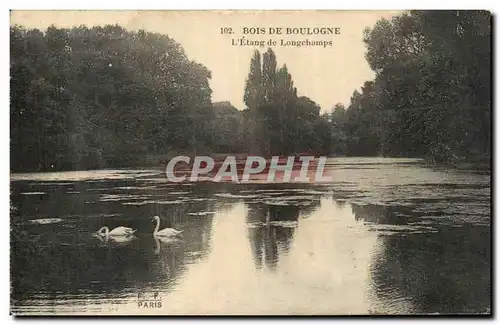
(107, 97)
(278, 121)
(93, 98)
(431, 96)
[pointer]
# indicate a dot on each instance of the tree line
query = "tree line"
(103, 97)
(84, 98)
(277, 120)
(431, 96)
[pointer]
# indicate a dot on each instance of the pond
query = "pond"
(386, 236)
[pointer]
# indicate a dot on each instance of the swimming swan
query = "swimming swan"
(118, 231)
(167, 232)
(115, 239)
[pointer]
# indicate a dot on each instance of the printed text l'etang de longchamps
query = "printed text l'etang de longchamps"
(320, 36)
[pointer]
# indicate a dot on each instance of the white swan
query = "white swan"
(118, 231)
(167, 232)
(115, 239)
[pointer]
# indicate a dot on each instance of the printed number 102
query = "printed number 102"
(226, 30)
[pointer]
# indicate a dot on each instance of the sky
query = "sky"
(327, 75)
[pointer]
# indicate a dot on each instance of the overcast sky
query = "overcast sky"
(326, 75)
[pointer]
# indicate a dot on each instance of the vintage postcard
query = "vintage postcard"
(250, 162)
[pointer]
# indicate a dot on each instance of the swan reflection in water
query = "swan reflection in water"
(166, 240)
(168, 256)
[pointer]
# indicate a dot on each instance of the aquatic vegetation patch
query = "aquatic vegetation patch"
(46, 221)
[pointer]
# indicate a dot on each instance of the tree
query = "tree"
(282, 123)
(432, 91)
(269, 65)
(253, 95)
(92, 98)
(227, 128)
(337, 129)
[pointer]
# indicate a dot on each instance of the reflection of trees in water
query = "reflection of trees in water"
(380, 213)
(310, 208)
(446, 271)
(341, 203)
(268, 239)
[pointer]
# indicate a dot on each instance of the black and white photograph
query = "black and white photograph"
(250, 163)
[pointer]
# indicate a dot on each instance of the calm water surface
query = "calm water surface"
(388, 236)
